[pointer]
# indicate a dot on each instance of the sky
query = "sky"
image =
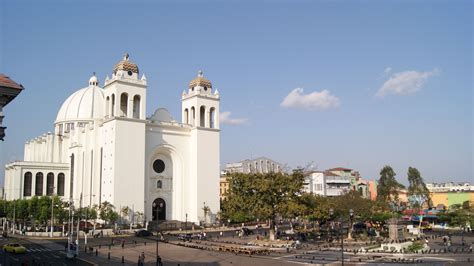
(358, 84)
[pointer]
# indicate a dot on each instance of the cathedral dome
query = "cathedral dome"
(200, 81)
(126, 65)
(84, 104)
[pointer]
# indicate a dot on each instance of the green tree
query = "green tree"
(417, 190)
(263, 196)
(387, 189)
(107, 213)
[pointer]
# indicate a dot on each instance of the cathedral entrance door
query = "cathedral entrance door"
(159, 209)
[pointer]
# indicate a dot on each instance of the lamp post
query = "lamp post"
(86, 227)
(52, 212)
(154, 213)
(351, 217)
(331, 213)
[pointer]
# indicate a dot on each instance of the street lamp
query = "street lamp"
(86, 226)
(351, 216)
(331, 213)
(52, 211)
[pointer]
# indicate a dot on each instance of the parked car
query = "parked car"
(142, 233)
(185, 237)
(247, 231)
(14, 248)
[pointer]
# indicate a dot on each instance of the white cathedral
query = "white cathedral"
(104, 148)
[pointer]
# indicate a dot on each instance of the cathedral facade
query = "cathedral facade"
(104, 148)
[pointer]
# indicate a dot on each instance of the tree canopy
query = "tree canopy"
(388, 186)
(417, 189)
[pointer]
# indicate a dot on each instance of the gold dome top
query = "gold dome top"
(126, 65)
(200, 81)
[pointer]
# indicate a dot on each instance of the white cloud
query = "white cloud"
(406, 82)
(225, 118)
(387, 70)
(313, 101)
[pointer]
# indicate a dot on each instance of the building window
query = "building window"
(123, 104)
(159, 184)
(39, 184)
(27, 184)
(49, 184)
(136, 107)
(212, 114)
(159, 166)
(202, 116)
(60, 184)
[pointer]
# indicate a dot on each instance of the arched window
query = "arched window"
(202, 116)
(136, 106)
(186, 116)
(60, 184)
(27, 184)
(112, 112)
(193, 116)
(159, 184)
(39, 184)
(123, 104)
(107, 106)
(49, 184)
(212, 118)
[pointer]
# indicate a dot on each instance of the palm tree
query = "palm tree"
(206, 210)
(139, 216)
(125, 211)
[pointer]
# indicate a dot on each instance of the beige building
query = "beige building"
(223, 187)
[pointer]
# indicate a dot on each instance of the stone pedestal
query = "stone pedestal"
(393, 229)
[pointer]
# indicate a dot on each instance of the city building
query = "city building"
(258, 165)
(337, 181)
(373, 189)
(9, 89)
(327, 183)
(224, 187)
(445, 195)
(449, 187)
(104, 148)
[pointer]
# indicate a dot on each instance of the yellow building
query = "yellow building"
(450, 198)
(223, 187)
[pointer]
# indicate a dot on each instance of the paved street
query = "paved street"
(51, 252)
(41, 252)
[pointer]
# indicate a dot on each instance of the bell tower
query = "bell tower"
(200, 110)
(123, 132)
(200, 105)
(125, 93)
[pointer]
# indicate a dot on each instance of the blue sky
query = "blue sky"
(359, 84)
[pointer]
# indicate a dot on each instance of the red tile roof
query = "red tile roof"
(329, 173)
(5, 81)
(339, 169)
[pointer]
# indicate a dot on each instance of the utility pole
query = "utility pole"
(78, 223)
(70, 229)
(52, 213)
(14, 216)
